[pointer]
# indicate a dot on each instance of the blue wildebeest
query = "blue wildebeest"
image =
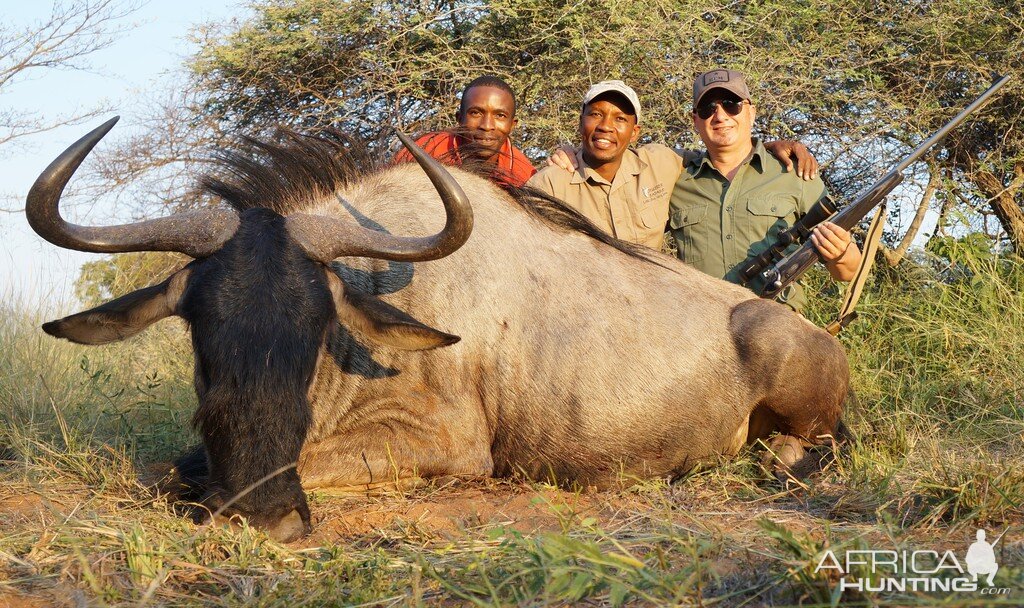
(582, 359)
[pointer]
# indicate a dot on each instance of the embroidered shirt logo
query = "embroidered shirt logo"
(655, 191)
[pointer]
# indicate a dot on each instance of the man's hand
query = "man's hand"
(786, 150)
(564, 157)
(840, 254)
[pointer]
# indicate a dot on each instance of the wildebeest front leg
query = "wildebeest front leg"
(799, 373)
(393, 443)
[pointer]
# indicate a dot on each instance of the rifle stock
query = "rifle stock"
(790, 268)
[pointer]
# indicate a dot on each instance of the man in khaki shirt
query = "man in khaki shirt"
(622, 190)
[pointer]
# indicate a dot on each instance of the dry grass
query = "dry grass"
(86, 433)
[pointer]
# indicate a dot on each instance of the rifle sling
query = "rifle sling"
(846, 313)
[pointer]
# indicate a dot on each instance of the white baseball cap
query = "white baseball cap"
(614, 86)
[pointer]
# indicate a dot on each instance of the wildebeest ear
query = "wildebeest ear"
(123, 317)
(382, 322)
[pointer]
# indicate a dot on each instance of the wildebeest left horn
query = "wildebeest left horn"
(327, 238)
(197, 233)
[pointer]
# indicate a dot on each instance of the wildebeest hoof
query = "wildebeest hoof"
(289, 528)
(783, 456)
(792, 460)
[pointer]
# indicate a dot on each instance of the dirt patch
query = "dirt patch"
(460, 508)
(44, 599)
(20, 508)
(16, 600)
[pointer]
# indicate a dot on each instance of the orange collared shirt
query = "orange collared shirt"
(513, 168)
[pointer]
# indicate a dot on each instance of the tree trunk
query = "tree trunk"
(893, 256)
(1003, 200)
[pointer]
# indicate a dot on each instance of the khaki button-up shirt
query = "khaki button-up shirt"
(718, 224)
(633, 206)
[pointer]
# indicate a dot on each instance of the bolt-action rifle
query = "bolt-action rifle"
(784, 269)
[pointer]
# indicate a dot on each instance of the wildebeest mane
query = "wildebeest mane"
(554, 211)
(286, 173)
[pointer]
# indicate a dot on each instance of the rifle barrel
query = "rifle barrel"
(952, 124)
(789, 269)
(1000, 537)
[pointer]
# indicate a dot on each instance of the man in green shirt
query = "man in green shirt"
(731, 201)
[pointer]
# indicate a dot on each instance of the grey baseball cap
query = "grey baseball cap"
(614, 86)
(729, 80)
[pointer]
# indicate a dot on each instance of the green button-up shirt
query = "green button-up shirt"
(718, 224)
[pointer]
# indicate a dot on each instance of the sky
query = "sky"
(32, 271)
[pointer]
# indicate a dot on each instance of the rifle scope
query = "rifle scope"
(797, 233)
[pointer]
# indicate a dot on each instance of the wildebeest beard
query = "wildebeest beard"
(258, 310)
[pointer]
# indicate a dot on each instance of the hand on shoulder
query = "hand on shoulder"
(564, 157)
(788, 150)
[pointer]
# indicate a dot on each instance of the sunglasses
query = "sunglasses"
(731, 107)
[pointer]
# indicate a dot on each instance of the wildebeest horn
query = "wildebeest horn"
(327, 238)
(197, 233)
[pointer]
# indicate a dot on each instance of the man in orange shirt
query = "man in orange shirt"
(486, 117)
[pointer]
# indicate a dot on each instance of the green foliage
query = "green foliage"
(964, 491)
(371, 65)
(838, 70)
(965, 251)
(116, 275)
(803, 552)
(937, 357)
(135, 396)
(570, 567)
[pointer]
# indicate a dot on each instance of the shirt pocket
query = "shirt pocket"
(685, 221)
(650, 216)
(768, 215)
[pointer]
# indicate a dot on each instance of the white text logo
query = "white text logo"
(920, 571)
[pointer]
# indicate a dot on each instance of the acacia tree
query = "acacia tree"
(949, 50)
(861, 81)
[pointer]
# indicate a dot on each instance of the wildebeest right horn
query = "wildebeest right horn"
(327, 238)
(197, 233)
